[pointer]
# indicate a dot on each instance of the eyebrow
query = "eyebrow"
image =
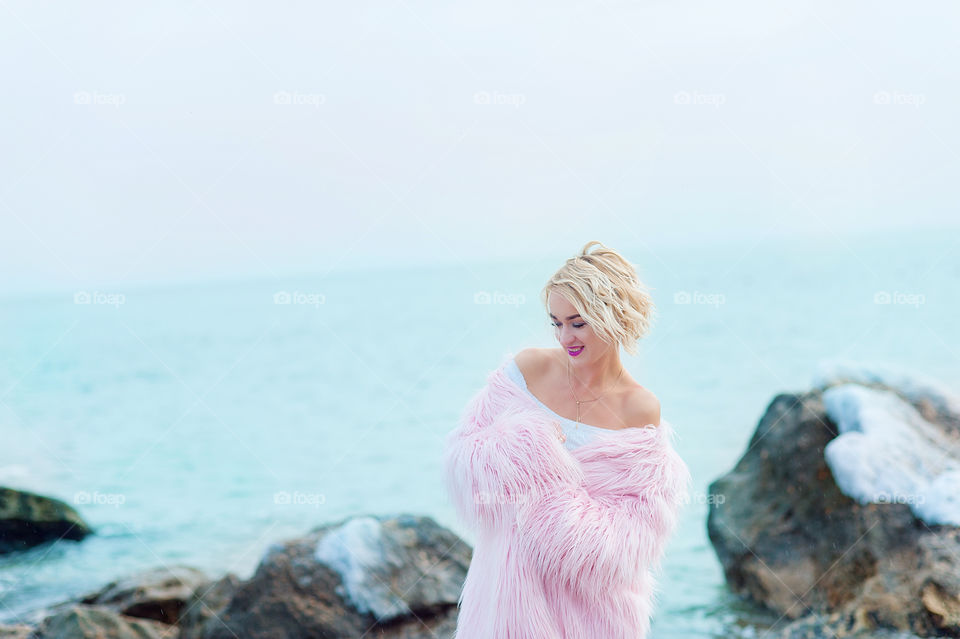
(569, 318)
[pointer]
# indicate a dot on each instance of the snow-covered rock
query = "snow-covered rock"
(886, 452)
(841, 514)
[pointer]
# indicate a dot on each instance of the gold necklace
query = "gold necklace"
(570, 382)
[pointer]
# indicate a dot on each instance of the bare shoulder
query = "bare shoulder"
(642, 408)
(532, 361)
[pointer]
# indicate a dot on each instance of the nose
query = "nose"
(566, 337)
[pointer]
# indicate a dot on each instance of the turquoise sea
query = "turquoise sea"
(200, 423)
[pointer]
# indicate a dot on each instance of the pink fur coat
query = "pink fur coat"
(567, 540)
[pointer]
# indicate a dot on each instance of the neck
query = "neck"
(595, 377)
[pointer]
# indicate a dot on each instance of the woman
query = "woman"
(565, 471)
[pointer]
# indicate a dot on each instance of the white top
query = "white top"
(577, 434)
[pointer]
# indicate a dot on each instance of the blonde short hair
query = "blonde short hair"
(605, 290)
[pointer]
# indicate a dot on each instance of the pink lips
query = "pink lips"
(575, 352)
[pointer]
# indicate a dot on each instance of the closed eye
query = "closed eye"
(581, 325)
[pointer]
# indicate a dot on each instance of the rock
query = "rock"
(28, 519)
(371, 576)
(886, 451)
(790, 539)
(205, 604)
(943, 602)
(161, 594)
(834, 626)
(91, 622)
(18, 631)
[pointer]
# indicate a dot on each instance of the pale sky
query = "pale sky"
(169, 141)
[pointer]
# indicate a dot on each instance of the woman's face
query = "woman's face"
(573, 332)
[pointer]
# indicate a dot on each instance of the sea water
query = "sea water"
(200, 423)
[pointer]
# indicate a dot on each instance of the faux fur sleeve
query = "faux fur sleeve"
(496, 457)
(592, 543)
